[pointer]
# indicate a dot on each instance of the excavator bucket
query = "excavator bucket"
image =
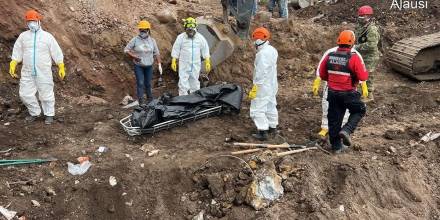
(417, 57)
(242, 11)
(220, 41)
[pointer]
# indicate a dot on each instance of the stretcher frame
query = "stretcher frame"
(136, 131)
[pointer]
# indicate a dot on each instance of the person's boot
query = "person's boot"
(346, 139)
(340, 150)
(30, 118)
(323, 132)
(261, 135)
(48, 120)
(273, 131)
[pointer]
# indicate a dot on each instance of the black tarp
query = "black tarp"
(165, 108)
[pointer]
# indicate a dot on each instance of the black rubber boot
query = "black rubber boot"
(260, 135)
(49, 120)
(346, 140)
(273, 131)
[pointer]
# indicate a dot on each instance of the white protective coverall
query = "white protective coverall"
(36, 50)
(263, 110)
(189, 52)
(324, 120)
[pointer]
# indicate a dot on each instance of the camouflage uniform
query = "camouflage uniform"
(367, 40)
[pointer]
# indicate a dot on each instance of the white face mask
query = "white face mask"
(259, 42)
(34, 26)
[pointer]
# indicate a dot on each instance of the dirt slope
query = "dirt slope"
(385, 176)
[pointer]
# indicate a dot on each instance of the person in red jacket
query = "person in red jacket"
(343, 69)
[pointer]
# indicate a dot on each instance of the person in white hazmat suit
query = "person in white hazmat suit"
(188, 48)
(315, 89)
(36, 48)
(263, 110)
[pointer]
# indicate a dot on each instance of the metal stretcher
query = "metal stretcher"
(134, 131)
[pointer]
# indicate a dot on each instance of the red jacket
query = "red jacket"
(342, 80)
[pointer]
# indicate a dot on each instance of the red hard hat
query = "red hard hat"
(365, 10)
(261, 33)
(32, 15)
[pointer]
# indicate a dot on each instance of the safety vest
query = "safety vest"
(337, 67)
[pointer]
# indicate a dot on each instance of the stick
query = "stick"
(5, 151)
(295, 151)
(285, 145)
(245, 151)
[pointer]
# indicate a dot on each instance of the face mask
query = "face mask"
(363, 20)
(258, 43)
(190, 32)
(34, 26)
(144, 34)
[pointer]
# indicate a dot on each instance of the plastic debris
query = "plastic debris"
(112, 180)
(199, 216)
(78, 169)
(341, 208)
(430, 136)
(7, 123)
(102, 149)
(35, 203)
(127, 100)
(153, 153)
(7, 213)
(83, 159)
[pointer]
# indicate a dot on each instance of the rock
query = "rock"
(153, 153)
(263, 16)
(35, 203)
(166, 16)
(199, 216)
(112, 180)
(393, 149)
(216, 184)
(88, 100)
(50, 191)
(72, 8)
(265, 188)
(127, 100)
(111, 208)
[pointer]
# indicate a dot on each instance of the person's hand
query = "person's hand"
(316, 84)
(12, 67)
(253, 93)
(61, 71)
(174, 64)
(364, 90)
(208, 65)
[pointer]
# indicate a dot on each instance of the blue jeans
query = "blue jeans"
(282, 4)
(144, 75)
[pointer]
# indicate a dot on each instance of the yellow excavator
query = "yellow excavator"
(417, 57)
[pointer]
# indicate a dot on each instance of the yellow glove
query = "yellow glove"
(316, 84)
(12, 66)
(174, 64)
(61, 71)
(208, 65)
(253, 92)
(364, 90)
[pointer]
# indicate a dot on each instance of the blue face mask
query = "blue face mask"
(144, 34)
(34, 26)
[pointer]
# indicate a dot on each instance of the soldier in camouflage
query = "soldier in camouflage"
(367, 40)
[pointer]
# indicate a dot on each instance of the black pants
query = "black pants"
(339, 102)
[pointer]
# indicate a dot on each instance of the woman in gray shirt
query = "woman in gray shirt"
(143, 49)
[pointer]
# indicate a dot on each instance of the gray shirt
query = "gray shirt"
(144, 48)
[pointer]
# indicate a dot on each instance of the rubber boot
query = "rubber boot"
(30, 118)
(48, 120)
(273, 131)
(346, 139)
(261, 135)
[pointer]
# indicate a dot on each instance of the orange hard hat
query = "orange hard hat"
(32, 15)
(261, 33)
(346, 37)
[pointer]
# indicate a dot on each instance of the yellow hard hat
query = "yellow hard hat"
(189, 23)
(144, 25)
